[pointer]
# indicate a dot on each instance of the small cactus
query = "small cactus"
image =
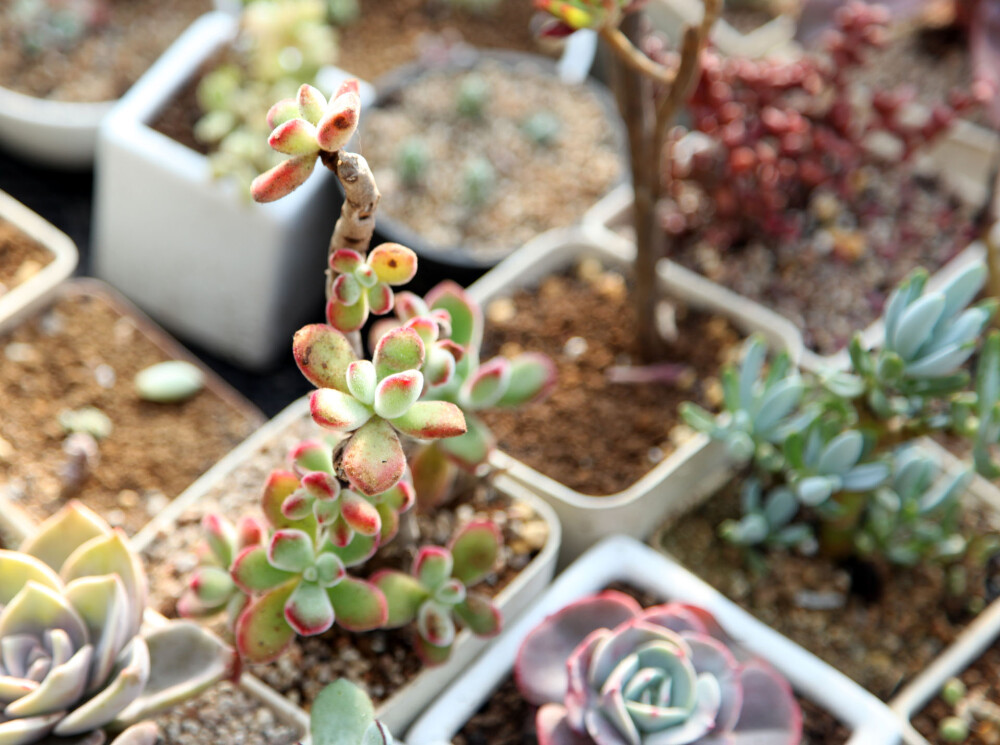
(479, 181)
(473, 96)
(412, 160)
(543, 128)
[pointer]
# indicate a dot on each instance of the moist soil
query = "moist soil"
(104, 62)
(83, 353)
(878, 624)
(381, 661)
(391, 33)
(981, 678)
(21, 257)
(226, 715)
(590, 434)
(535, 186)
(507, 719)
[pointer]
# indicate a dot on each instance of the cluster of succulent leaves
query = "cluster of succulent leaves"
(43, 24)
(77, 662)
(837, 450)
(343, 714)
(280, 44)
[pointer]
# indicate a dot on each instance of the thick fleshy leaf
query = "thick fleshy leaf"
(62, 687)
(309, 610)
(184, 660)
(341, 715)
(393, 264)
(322, 486)
(28, 730)
(532, 376)
(466, 316)
(103, 604)
(17, 568)
(360, 514)
(212, 586)
(540, 668)
(435, 625)
(144, 733)
(311, 455)
(283, 179)
(390, 522)
(359, 605)
(431, 654)
(63, 533)
(480, 615)
(553, 728)
(347, 318)
(487, 384)
(401, 349)
(475, 548)
(346, 289)
(111, 554)
(404, 595)
(338, 411)
(433, 475)
(397, 393)
(220, 535)
(114, 696)
(373, 459)
(262, 633)
(291, 550)
(253, 573)
(431, 420)
(339, 122)
(770, 713)
(280, 485)
(433, 566)
(380, 299)
(346, 261)
(323, 354)
(311, 103)
(439, 369)
(358, 550)
(362, 381)
(471, 449)
(294, 137)
(282, 111)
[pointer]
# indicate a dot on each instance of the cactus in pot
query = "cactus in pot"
(77, 661)
(606, 671)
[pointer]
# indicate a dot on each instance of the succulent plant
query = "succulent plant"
(767, 519)
(364, 285)
(542, 128)
(55, 24)
(343, 714)
(605, 671)
(572, 15)
(304, 128)
(914, 516)
(76, 660)
(479, 181)
(412, 160)
(969, 706)
(435, 593)
(826, 463)
(473, 96)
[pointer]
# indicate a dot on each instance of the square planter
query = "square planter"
(22, 299)
(621, 559)
(235, 277)
(690, 471)
(413, 697)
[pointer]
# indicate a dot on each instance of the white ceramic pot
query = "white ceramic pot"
(695, 469)
(407, 703)
(235, 277)
(21, 300)
(622, 559)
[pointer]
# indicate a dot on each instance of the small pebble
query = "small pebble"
(169, 382)
(501, 310)
(105, 376)
(810, 600)
(20, 352)
(575, 347)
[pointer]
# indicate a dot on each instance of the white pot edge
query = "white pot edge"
(398, 711)
(26, 297)
(622, 558)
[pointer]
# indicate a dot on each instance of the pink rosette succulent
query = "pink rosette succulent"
(605, 671)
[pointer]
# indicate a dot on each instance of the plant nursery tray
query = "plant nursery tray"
(84, 351)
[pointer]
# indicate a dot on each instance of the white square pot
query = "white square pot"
(695, 469)
(409, 701)
(622, 559)
(21, 300)
(235, 277)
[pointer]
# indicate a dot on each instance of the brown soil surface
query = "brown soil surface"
(104, 63)
(83, 353)
(888, 623)
(389, 33)
(591, 435)
(225, 715)
(381, 661)
(177, 119)
(536, 187)
(507, 719)
(981, 677)
(21, 257)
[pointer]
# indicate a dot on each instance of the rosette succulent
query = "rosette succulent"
(605, 671)
(75, 661)
(343, 714)
(435, 593)
(364, 285)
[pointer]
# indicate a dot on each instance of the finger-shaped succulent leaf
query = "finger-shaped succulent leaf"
(475, 549)
(282, 111)
(398, 351)
(311, 103)
(842, 453)
(865, 477)
(487, 384)
(988, 375)
(433, 473)
(338, 411)
(532, 376)
(339, 121)
(144, 733)
(362, 381)
(433, 566)
(962, 288)
(283, 179)
(359, 605)
(480, 615)
(323, 354)
(404, 595)
(396, 393)
(466, 315)
(220, 535)
(262, 633)
(373, 459)
(61, 534)
(431, 420)
(916, 323)
(294, 137)
(815, 490)
(211, 586)
(393, 264)
(909, 290)
(360, 514)
(343, 714)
